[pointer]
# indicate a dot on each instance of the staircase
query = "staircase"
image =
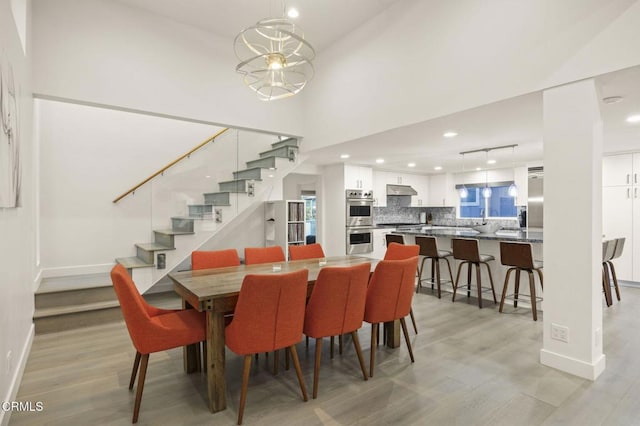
(78, 301)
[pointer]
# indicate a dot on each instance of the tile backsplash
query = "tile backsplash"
(398, 211)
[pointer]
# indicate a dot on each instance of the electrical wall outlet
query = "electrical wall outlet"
(560, 332)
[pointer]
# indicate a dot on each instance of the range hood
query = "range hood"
(400, 190)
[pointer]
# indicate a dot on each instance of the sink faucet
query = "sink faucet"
(482, 213)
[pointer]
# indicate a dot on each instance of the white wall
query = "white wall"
(121, 56)
(422, 59)
(17, 230)
(91, 155)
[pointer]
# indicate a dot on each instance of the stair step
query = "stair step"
(146, 251)
(217, 198)
(254, 173)
(286, 151)
(182, 224)
(236, 186)
(285, 142)
(263, 163)
(50, 320)
(73, 282)
(153, 247)
(200, 210)
(133, 262)
(74, 296)
(166, 237)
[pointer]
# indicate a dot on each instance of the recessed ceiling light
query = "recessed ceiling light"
(411, 165)
(450, 134)
(344, 156)
(207, 176)
(478, 168)
(633, 119)
(270, 176)
(293, 13)
(437, 168)
(380, 160)
(612, 99)
(491, 161)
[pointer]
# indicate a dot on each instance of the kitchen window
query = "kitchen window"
(500, 204)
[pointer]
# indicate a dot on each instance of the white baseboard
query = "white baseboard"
(589, 371)
(65, 271)
(14, 385)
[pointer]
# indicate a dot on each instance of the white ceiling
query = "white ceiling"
(323, 21)
(513, 121)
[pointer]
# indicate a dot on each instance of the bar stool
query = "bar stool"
(394, 238)
(616, 254)
(466, 249)
(429, 249)
(520, 257)
(608, 250)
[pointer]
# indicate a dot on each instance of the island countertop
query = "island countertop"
(452, 232)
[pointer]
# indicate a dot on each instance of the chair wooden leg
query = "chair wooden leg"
(356, 345)
(332, 344)
(438, 277)
(316, 367)
(307, 341)
(493, 290)
(413, 321)
(136, 364)
(296, 365)
(479, 285)
(372, 355)
(539, 271)
(517, 289)
(340, 343)
(532, 292)
(615, 279)
(204, 356)
(449, 266)
(469, 266)
(419, 286)
(606, 285)
(504, 289)
(276, 361)
(433, 270)
(455, 284)
(140, 387)
(287, 355)
(245, 382)
(403, 323)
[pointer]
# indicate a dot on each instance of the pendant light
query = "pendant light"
(486, 191)
(464, 192)
(513, 188)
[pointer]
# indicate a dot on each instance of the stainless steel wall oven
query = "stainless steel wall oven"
(359, 221)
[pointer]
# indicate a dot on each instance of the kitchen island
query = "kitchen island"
(488, 244)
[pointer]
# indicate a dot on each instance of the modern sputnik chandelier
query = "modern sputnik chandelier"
(275, 58)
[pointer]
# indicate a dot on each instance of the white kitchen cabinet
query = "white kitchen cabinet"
(379, 188)
(358, 177)
(379, 242)
(418, 182)
(619, 212)
(617, 170)
(440, 189)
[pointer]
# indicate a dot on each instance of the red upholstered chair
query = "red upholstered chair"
(214, 259)
(255, 255)
(398, 251)
(309, 251)
(336, 307)
(152, 329)
(269, 316)
(389, 298)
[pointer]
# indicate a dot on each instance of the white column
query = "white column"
(573, 230)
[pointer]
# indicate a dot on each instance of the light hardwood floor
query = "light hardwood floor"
(473, 367)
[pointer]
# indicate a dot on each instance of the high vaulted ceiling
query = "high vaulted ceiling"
(323, 21)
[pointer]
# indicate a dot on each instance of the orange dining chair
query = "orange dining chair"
(152, 329)
(309, 251)
(336, 307)
(389, 298)
(256, 255)
(398, 251)
(214, 259)
(269, 316)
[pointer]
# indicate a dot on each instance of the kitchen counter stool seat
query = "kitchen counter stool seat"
(429, 250)
(466, 250)
(519, 256)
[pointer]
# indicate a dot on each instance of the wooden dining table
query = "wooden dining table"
(215, 291)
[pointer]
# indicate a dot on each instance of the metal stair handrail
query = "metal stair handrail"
(174, 162)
